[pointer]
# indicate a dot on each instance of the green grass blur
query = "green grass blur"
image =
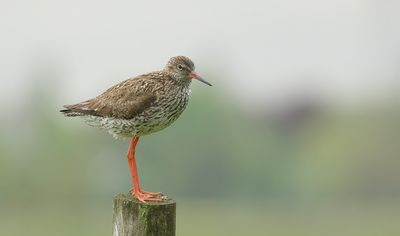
(232, 171)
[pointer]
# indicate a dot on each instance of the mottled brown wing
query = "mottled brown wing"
(122, 101)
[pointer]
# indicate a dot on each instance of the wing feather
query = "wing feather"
(124, 100)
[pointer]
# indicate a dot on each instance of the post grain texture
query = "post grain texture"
(134, 218)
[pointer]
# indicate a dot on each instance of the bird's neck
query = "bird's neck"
(182, 81)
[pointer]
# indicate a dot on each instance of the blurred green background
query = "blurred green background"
(298, 136)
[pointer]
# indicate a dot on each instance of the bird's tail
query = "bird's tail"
(79, 109)
(70, 112)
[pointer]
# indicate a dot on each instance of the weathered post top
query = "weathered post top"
(134, 218)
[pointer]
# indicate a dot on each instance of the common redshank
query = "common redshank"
(139, 106)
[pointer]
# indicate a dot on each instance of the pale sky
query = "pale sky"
(346, 51)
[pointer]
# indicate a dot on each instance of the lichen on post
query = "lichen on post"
(134, 218)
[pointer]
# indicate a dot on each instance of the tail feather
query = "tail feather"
(79, 109)
(69, 112)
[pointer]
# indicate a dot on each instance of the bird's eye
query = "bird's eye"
(180, 67)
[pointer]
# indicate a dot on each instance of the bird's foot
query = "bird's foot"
(145, 196)
(152, 194)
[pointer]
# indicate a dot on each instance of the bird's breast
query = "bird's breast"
(166, 109)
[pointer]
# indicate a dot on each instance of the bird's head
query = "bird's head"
(182, 69)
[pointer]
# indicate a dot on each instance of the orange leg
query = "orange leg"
(137, 191)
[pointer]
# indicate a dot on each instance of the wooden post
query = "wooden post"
(134, 218)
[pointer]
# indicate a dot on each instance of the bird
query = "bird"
(140, 106)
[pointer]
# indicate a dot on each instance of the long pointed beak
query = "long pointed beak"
(194, 75)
